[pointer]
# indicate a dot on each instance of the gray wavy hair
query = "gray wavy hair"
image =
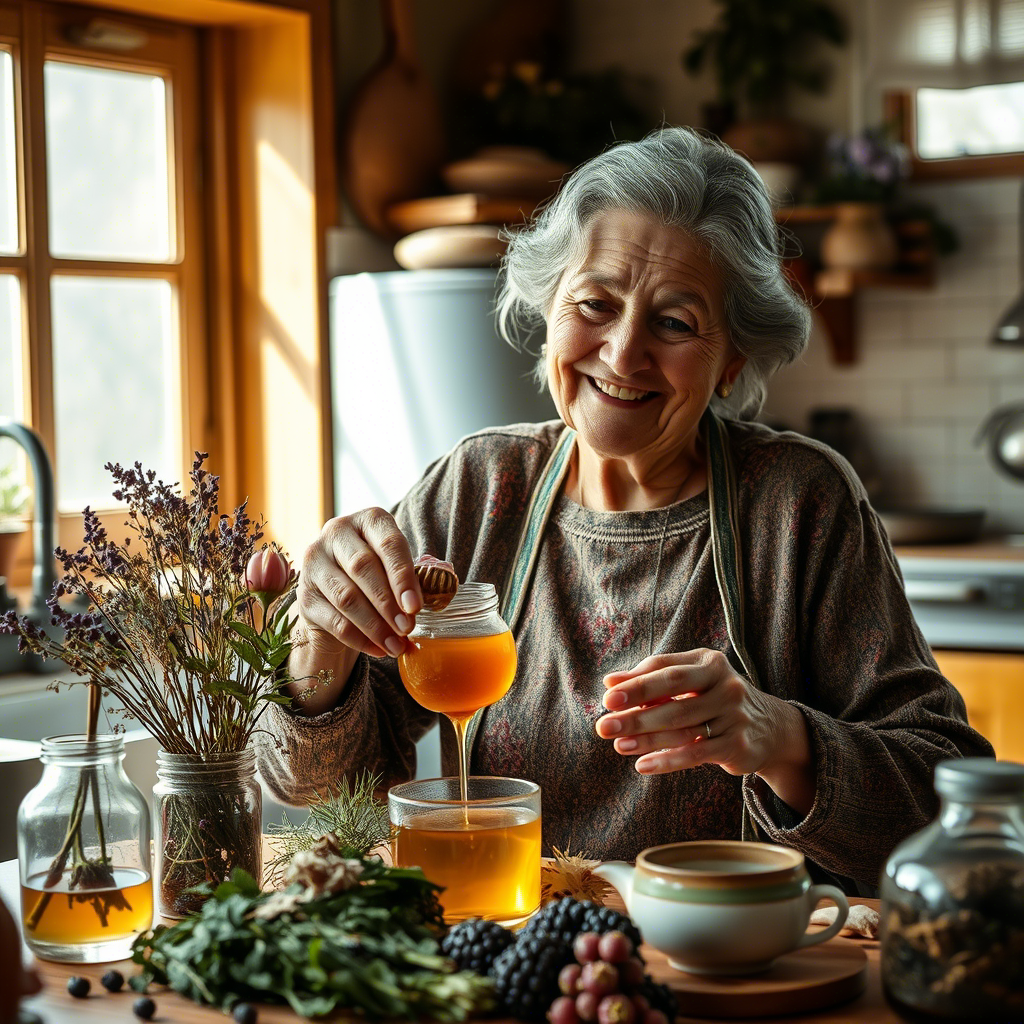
(686, 180)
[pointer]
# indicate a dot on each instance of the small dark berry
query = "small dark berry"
(144, 1008)
(112, 981)
(79, 987)
(244, 1013)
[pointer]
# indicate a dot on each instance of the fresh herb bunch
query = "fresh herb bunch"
(349, 933)
(352, 813)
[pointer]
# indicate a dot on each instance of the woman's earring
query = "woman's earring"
(724, 390)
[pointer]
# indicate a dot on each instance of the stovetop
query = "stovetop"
(968, 596)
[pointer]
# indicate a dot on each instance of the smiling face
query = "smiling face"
(637, 342)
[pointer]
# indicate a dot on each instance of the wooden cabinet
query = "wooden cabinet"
(992, 685)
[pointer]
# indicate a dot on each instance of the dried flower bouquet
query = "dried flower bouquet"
(186, 629)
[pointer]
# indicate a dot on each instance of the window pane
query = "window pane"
(115, 380)
(106, 146)
(8, 172)
(982, 121)
(11, 398)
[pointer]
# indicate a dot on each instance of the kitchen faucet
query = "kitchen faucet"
(44, 574)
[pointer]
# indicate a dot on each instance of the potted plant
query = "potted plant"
(759, 53)
(14, 502)
(861, 179)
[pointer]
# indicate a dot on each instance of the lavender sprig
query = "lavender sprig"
(171, 631)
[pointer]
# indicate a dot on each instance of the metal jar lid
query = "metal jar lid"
(972, 778)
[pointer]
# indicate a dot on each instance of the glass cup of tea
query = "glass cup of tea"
(486, 852)
(460, 659)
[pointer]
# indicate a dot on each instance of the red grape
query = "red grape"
(563, 1011)
(586, 1006)
(569, 979)
(599, 978)
(614, 947)
(641, 1005)
(585, 947)
(655, 1017)
(615, 1009)
(632, 973)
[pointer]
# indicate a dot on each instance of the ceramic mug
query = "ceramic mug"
(723, 907)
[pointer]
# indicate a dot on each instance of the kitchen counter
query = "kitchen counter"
(988, 549)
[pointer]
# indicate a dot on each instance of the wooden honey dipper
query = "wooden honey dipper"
(438, 582)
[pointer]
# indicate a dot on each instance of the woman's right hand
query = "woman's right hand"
(358, 586)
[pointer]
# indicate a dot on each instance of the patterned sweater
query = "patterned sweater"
(827, 625)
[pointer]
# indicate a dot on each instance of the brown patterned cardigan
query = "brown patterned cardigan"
(827, 626)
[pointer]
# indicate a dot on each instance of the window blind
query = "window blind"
(952, 44)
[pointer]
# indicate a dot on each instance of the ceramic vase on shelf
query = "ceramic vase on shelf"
(83, 853)
(860, 238)
(392, 144)
(208, 811)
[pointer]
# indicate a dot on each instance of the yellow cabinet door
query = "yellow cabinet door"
(992, 686)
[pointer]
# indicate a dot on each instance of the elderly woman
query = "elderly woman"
(714, 640)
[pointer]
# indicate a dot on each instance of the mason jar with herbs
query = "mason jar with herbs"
(209, 818)
(952, 915)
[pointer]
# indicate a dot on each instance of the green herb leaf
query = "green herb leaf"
(372, 948)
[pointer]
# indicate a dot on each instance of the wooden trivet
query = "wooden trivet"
(808, 979)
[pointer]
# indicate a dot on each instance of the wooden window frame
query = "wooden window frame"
(42, 31)
(261, 393)
(900, 111)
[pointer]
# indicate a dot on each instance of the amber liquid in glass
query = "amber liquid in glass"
(457, 676)
(489, 865)
(76, 916)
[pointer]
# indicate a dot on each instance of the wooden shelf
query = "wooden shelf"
(459, 208)
(832, 291)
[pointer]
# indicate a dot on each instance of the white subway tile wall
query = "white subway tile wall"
(926, 377)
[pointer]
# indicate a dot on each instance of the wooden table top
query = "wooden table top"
(56, 1006)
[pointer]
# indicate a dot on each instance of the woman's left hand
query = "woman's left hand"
(681, 710)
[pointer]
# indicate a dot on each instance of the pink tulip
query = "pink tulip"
(268, 572)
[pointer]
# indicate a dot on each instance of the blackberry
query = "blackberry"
(568, 917)
(474, 944)
(604, 919)
(526, 974)
(661, 997)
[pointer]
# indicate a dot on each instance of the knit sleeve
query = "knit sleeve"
(462, 509)
(842, 645)
(376, 724)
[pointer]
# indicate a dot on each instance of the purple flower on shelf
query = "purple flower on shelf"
(864, 167)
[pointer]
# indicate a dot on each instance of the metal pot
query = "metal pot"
(1004, 432)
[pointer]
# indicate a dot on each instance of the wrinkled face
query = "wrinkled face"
(636, 338)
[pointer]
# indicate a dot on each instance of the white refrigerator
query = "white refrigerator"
(416, 364)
